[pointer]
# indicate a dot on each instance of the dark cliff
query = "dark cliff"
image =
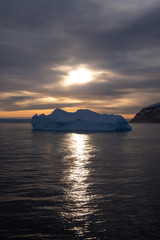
(150, 114)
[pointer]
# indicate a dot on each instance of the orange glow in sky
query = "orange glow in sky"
(30, 113)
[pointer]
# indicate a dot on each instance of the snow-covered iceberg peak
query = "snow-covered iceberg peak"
(81, 120)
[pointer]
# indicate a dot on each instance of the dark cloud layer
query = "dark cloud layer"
(40, 39)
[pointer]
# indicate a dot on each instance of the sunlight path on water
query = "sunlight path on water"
(78, 208)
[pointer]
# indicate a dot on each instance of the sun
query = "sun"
(79, 76)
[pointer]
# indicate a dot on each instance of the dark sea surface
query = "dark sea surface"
(79, 185)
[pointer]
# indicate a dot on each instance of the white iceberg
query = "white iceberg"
(81, 120)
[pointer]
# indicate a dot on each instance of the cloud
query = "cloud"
(41, 41)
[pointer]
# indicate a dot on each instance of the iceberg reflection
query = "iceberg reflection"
(76, 177)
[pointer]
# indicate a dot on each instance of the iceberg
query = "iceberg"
(81, 120)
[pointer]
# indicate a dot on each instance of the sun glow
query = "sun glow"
(79, 76)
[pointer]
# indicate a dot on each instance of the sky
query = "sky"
(102, 55)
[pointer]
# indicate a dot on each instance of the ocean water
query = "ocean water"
(79, 185)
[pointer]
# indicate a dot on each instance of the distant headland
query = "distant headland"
(150, 114)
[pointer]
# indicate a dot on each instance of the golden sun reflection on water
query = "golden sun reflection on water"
(76, 177)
